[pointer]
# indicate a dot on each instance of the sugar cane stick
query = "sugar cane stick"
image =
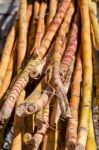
(64, 105)
(66, 86)
(95, 25)
(22, 41)
(96, 98)
(68, 57)
(5, 58)
(18, 126)
(53, 4)
(52, 11)
(51, 140)
(17, 137)
(28, 18)
(91, 143)
(72, 45)
(29, 13)
(59, 50)
(64, 28)
(71, 132)
(69, 75)
(9, 73)
(33, 25)
(44, 144)
(40, 26)
(38, 136)
(93, 7)
(22, 45)
(96, 74)
(57, 110)
(87, 77)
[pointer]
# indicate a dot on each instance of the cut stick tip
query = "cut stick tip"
(25, 109)
(34, 74)
(27, 137)
(20, 110)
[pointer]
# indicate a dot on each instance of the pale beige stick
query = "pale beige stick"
(18, 126)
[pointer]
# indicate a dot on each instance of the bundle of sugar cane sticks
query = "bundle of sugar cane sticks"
(49, 77)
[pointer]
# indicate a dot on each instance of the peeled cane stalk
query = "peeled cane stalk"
(22, 45)
(22, 42)
(91, 143)
(87, 75)
(9, 73)
(5, 58)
